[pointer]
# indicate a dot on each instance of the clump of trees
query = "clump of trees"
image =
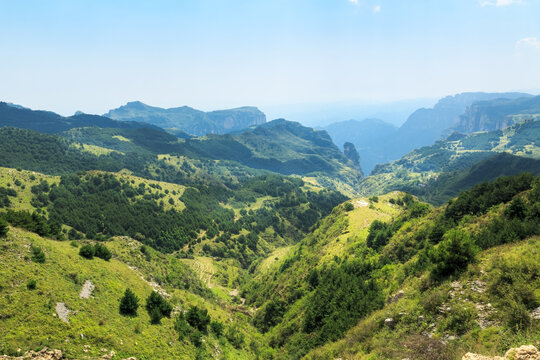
(194, 324)
(99, 250)
(157, 307)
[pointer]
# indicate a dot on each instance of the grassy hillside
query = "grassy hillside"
(453, 159)
(396, 278)
(95, 327)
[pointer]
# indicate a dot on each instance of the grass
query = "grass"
(8, 177)
(28, 316)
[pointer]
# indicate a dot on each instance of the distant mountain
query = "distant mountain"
(497, 114)
(192, 121)
(425, 126)
(370, 137)
(419, 170)
(379, 142)
(51, 123)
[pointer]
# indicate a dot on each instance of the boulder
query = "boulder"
(525, 352)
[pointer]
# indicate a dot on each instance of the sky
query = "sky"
(94, 55)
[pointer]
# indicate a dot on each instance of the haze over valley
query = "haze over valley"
(355, 179)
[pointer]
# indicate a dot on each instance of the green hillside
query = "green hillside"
(416, 282)
(449, 161)
(95, 327)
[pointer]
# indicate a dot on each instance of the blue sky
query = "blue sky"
(94, 55)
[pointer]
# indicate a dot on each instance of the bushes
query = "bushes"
(379, 234)
(198, 318)
(157, 307)
(4, 228)
(452, 255)
(129, 303)
(483, 196)
(269, 315)
(88, 251)
(37, 254)
(194, 324)
(31, 284)
(513, 279)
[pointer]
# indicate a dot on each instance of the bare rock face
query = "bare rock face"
(525, 352)
(44, 354)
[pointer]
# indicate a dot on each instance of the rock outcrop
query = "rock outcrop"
(525, 352)
(44, 354)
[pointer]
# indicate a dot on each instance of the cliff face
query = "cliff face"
(189, 120)
(497, 114)
(350, 152)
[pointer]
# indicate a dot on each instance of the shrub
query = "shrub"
(349, 206)
(157, 307)
(31, 284)
(129, 303)
(4, 228)
(198, 318)
(453, 254)
(181, 326)
(37, 255)
(460, 318)
(217, 328)
(374, 199)
(196, 338)
(517, 316)
(87, 251)
(102, 252)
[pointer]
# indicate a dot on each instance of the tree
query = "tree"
(198, 318)
(129, 303)
(157, 307)
(181, 326)
(4, 228)
(453, 254)
(102, 252)
(87, 251)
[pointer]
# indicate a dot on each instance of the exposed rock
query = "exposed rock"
(525, 352)
(390, 323)
(395, 297)
(63, 312)
(86, 290)
(44, 354)
(535, 314)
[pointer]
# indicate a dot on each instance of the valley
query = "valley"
(264, 243)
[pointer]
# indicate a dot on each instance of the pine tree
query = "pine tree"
(3, 228)
(129, 303)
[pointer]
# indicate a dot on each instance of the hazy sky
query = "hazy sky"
(94, 55)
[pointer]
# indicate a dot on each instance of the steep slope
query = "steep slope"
(57, 312)
(192, 121)
(379, 142)
(497, 114)
(370, 137)
(409, 280)
(458, 153)
(425, 126)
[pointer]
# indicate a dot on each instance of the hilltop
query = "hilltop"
(189, 120)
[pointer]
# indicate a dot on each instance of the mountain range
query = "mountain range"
(189, 120)
(379, 142)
